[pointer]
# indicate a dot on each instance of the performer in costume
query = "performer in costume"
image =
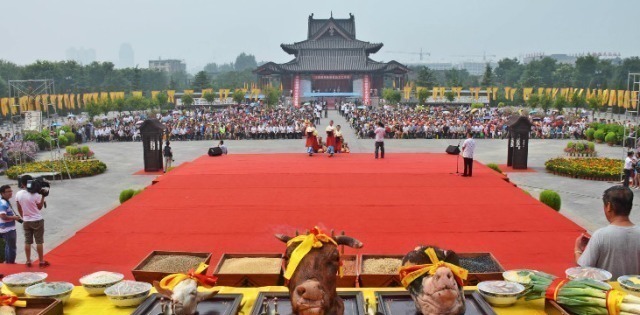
(319, 145)
(331, 139)
(312, 141)
(339, 140)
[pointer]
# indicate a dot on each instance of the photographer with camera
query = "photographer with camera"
(8, 220)
(30, 201)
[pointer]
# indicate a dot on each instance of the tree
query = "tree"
(187, 100)
(563, 76)
(244, 62)
(508, 71)
(162, 99)
(423, 94)
(533, 101)
(487, 77)
(578, 101)
(545, 102)
(201, 81)
(595, 103)
(392, 96)
(450, 96)
(138, 103)
(560, 103)
(585, 71)
(425, 77)
(209, 97)
(238, 96)
(272, 96)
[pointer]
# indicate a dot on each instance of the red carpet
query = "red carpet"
(236, 203)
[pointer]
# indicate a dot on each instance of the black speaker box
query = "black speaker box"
(453, 149)
(215, 151)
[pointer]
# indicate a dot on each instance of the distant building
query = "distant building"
(442, 66)
(81, 55)
(168, 65)
(560, 58)
(126, 59)
(476, 68)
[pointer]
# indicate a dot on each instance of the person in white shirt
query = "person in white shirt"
(379, 132)
(468, 147)
(29, 206)
(628, 168)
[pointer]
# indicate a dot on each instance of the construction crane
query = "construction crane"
(410, 53)
(484, 56)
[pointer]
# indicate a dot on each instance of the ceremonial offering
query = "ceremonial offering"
(630, 284)
(588, 273)
(522, 276)
(181, 290)
(97, 282)
(221, 304)
(19, 282)
(349, 272)
(249, 270)
(481, 267)
(280, 303)
(53, 290)
(159, 264)
(128, 293)
(35, 306)
(500, 293)
(380, 270)
(397, 302)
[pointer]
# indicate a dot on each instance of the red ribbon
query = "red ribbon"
(204, 280)
(554, 288)
(6, 300)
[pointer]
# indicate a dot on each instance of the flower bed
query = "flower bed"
(580, 148)
(76, 168)
(586, 168)
(78, 153)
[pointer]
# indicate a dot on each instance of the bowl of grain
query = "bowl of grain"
(53, 290)
(380, 270)
(18, 282)
(128, 293)
(159, 264)
(249, 269)
(97, 282)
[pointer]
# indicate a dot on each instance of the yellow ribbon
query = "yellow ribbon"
(170, 281)
(410, 273)
(614, 301)
(315, 239)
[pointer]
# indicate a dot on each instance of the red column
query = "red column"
(366, 89)
(296, 90)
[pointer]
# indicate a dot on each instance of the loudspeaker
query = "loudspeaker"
(215, 151)
(453, 149)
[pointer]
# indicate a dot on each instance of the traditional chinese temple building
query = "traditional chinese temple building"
(330, 64)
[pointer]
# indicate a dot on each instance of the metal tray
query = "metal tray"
(400, 303)
(353, 303)
(221, 304)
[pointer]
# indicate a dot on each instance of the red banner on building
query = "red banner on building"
(331, 77)
(296, 90)
(366, 89)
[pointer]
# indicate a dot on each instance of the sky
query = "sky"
(203, 31)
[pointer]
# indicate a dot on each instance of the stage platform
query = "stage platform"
(236, 203)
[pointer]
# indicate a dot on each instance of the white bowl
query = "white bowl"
(500, 293)
(18, 282)
(631, 289)
(128, 293)
(97, 282)
(575, 273)
(521, 276)
(53, 290)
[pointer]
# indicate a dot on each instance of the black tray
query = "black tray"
(353, 303)
(221, 304)
(400, 303)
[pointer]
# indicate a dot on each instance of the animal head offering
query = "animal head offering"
(182, 291)
(434, 280)
(8, 303)
(313, 264)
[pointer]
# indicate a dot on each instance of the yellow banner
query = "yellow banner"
(171, 94)
(540, 91)
(4, 106)
(138, 93)
(206, 91)
(580, 92)
(221, 94)
(627, 99)
(513, 93)
(548, 91)
(612, 98)
(407, 92)
(12, 107)
(526, 93)
(188, 92)
(634, 100)
(154, 94)
(554, 93)
(621, 98)
(507, 92)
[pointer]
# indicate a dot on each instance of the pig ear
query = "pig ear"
(162, 291)
(283, 238)
(205, 295)
(349, 241)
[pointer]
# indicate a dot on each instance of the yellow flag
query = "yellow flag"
(554, 93)
(580, 92)
(4, 107)
(513, 93)
(507, 92)
(620, 98)
(627, 99)
(526, 93)
(12, 107)
(634, 100)
(613, 98)
(137, 93)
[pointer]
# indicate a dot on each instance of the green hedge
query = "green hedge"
(494, 167)
(76, 168)
(599, 135)
(551, 199)
(611, 138)
(126, 195)
(588, 168)
(589, 133)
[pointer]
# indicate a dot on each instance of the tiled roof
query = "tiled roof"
(347, 25)
(338, 43)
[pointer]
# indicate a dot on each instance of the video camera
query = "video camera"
(37, 185)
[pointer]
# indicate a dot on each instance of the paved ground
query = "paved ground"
(75, 203)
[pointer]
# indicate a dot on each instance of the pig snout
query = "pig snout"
(310, 290)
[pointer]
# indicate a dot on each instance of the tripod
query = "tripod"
(458, 160)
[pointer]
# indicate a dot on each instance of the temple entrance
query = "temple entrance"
(331, 84)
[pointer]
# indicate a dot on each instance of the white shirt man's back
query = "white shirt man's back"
(468, 147)
(28, 204)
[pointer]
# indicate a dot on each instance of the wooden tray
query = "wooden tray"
(378, 280)
(150, 276)
(553, 308)
(349, 280)
(221, 304)
(476, 277)
(40, 306)
(353, 303)
(248, 279)
(400, 302)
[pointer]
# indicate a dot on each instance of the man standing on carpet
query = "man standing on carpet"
(29, 206)
(331, 139)
(628, 168)
(468, 147)
(168, 156)
(379, 132)
(616, 247)
(8, 220)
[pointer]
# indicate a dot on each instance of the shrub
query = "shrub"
(494, 167)
(21, 152)
(599, 135)
(63, 141)
(551, 199)
(580, 146)
(591, 146)
(137, 191)
(126, 195)
(76, 168)
(589, 133)
(42, 139)
(71, 150)
(477, 105)
(85, 150)
(611, 138)
(501, 104)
